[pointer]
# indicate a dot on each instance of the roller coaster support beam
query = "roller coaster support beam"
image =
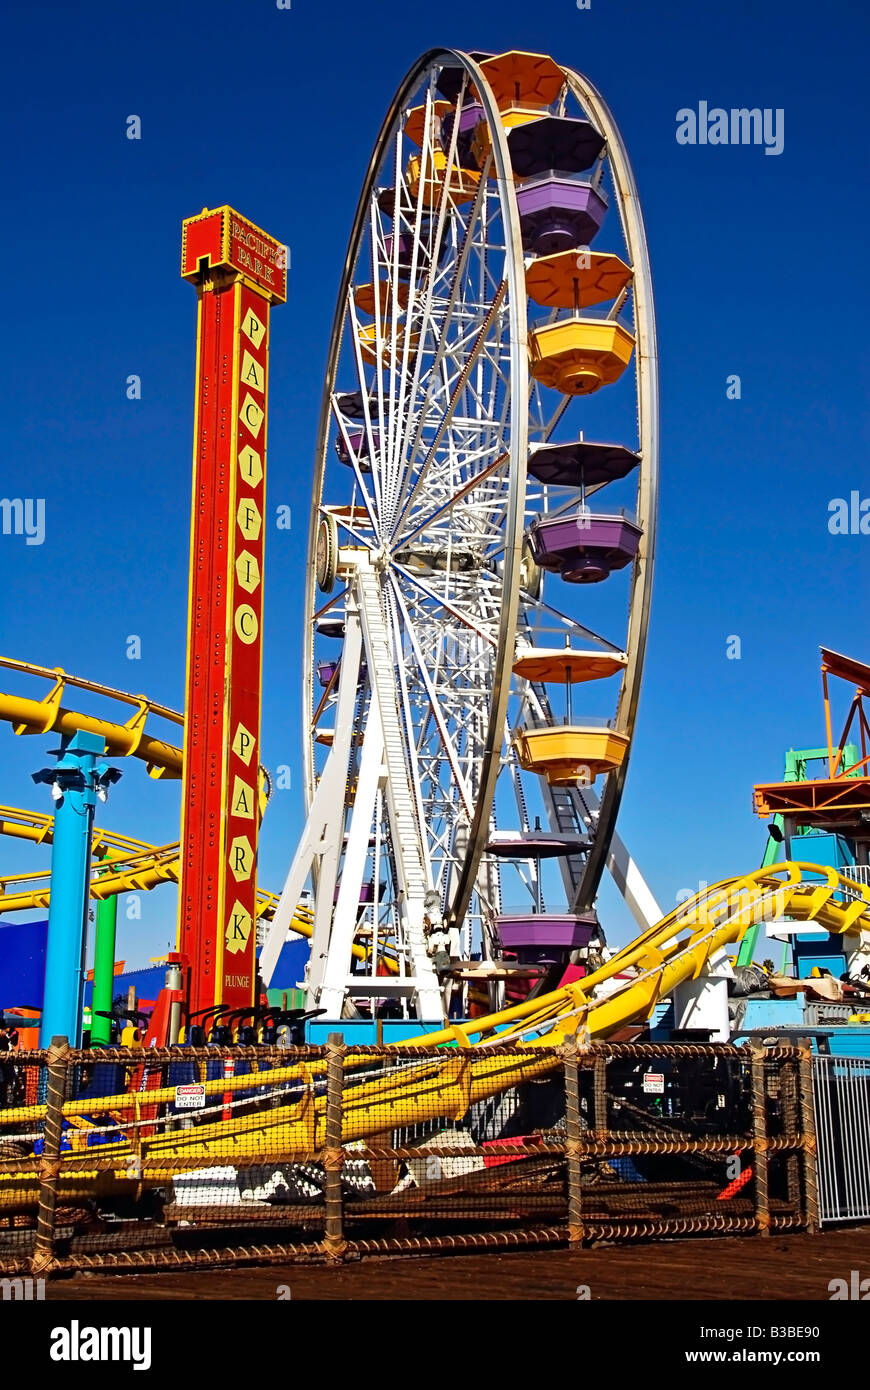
(239, 272)
(76, 780)
(104, 970)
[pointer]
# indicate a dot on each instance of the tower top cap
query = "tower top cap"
(222, 238)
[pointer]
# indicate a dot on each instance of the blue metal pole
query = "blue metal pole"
(76, 780)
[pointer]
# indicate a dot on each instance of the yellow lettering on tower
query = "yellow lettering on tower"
(246, 624)
(253, 374)
(242, 803)
(250, 465)
(251, 415)
(248, 571)
(243, 743)
(241, 858)
(238, 929)
(249, 519)
(254, 329)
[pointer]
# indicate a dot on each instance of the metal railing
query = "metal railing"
(818, 1015)
(841, 1091)
(858, 873)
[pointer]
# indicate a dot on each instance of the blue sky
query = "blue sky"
(758, 266)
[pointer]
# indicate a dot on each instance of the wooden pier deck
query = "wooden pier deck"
(797, 1267)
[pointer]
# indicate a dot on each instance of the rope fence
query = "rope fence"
(191, 1157)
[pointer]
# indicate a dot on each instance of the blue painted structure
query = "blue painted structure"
(820, 948)
(22, 964)
(364, 1033)
(290, 969)
(766, 1017)
(76, 779)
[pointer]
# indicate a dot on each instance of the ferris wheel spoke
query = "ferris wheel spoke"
(455, 500)
(354, 461)
(443, 602)
(429, 282)
(338, 597)
(464, 790)
(468, 366)
(399, 405)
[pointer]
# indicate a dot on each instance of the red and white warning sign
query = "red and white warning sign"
(190, 1097)
(654, 1083)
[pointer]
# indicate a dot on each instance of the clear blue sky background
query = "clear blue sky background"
(760, 269)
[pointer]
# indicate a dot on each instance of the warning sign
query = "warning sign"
(190, 1097)
(654, 1083)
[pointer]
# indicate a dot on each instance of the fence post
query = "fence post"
(599, 1097)
(789, 1088)
(759, 1139)
(334, 1243)
(808, 1135)
(49, 1168)
(573, 1141)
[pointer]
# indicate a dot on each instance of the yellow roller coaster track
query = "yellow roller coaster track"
(128, 740)
(131, 739)
(462, 1069)
(137, 867)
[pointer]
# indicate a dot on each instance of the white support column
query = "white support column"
(406, 835)
(702, 1001)
(320, 846)
(622, 868)
(344, 918)
(322, 850)
(632, 885)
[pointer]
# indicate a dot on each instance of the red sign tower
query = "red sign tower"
(239, 272)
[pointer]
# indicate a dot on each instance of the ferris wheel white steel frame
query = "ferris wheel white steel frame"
(425, 573)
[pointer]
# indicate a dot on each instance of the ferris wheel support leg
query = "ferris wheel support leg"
(632, 885)
(413, 883)
(622, 868)
(320, 847)
(329, 973)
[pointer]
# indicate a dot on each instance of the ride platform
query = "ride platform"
(570, 753)
(841, 801)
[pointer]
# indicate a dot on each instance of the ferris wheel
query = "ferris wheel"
(476, 616)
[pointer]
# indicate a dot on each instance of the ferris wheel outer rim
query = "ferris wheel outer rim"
(646, 367)
(479, 829)
(631, 219)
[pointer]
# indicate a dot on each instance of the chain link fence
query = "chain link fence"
(841, 1087)
(122, 1158)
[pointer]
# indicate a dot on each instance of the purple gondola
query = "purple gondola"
(546, 938)
(559, 214)
(358, 440)
(583, 547)
(469, 116)
(450, 81)
(534, 844)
